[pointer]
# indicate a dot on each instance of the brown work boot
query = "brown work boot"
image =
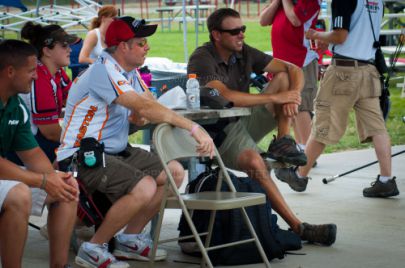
(289, 176)
(380, 189)
(324, 234)
(286, 150)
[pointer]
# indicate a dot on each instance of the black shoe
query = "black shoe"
(290, 176)
(285, 150)
(324, 234)
(380, 189)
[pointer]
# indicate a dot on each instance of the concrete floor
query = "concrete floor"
(371, 232)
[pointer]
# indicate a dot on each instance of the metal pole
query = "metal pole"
(197, 15)
(330, 179)
(185, 31)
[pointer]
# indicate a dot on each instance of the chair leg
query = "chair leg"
(157, 226)
(196, 235)
(257, 241)
(210, 229)
(153, 223)
(156, 238)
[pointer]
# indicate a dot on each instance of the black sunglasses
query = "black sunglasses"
(235, 31)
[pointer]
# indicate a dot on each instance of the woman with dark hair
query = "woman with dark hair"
(94, 42)
(49, 91)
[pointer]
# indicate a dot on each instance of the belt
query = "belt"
(349, 62)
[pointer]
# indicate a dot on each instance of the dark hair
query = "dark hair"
(37, 35)
(15, 53)
(214, 21)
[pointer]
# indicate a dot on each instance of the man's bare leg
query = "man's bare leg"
(302, 126)
(313, 150)
(279, 83)
(382, 146)
(252, 163)
(124, 209)
(297, 134)
(61, 219)
(137, 223)
(14, 225)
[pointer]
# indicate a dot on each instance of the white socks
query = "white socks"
(298, 175)
(384, 179)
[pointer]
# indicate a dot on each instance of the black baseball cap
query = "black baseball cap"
(55, 33)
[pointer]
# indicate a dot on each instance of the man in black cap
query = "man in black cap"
(101, 104)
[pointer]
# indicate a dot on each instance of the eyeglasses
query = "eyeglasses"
(235, 31)
(142, 43)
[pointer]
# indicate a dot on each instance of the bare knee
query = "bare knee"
(280, 82)
(250, 160)
(18, 199)
(177, 170)
(144, 190)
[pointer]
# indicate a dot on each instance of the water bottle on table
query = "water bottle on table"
(193, 92)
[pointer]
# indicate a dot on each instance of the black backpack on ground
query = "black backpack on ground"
(229, 226)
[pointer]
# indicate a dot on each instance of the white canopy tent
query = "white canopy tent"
(66, 17)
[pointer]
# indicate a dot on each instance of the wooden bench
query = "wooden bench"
(201, 22)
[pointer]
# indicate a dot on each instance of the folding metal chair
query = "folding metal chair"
(174, 143)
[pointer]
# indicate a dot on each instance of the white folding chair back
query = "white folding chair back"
(172, 143)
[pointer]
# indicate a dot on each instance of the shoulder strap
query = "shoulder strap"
(376, 43)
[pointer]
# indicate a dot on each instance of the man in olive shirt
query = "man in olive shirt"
(58, 190)
(226, 63)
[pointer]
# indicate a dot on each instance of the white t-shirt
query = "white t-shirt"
(353, 16)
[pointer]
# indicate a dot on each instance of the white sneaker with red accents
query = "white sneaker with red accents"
(136, 247)
(95, 256)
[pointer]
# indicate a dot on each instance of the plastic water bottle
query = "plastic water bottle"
(193, 92)
(324, 9)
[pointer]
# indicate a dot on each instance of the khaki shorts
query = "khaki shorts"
(341, 90)
(308, 94)
(245, 134)
(121, 174)
(38, 196)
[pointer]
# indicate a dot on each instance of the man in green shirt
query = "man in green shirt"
(26, 191)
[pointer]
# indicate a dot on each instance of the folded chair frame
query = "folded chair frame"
(172, 143)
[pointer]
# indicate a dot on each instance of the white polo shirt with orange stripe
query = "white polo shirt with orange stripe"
(91, 111)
